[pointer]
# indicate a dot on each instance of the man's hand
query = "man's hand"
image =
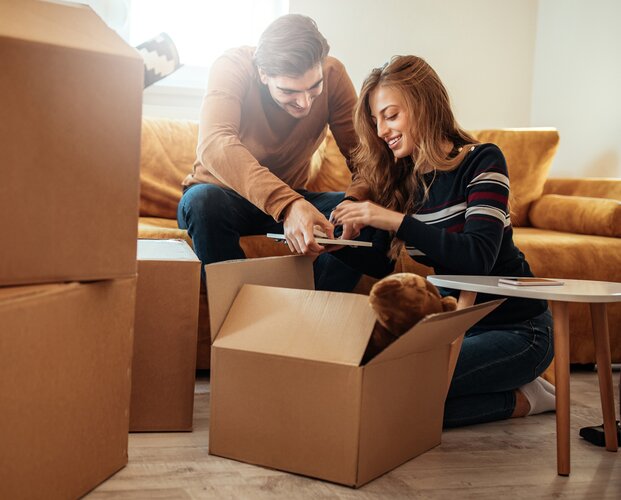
(300, 217)
(366, 213)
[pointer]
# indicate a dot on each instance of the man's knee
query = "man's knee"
(203, 200)
(203, 206)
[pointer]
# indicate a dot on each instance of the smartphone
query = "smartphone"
(530, 281)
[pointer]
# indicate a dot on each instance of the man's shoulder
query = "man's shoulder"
(332, 66)
(242, 53)
(237, 59)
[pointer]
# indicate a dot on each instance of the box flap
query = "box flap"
(224, 280)
(165, 250)
(435, 330)
(304, 324)
(62, 24)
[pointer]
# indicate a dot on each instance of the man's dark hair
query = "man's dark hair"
(290, 46)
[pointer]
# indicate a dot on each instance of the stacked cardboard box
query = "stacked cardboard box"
(70, 94)
(164, 361)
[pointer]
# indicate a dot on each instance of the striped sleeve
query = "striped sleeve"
(487, 194)
(466, 237)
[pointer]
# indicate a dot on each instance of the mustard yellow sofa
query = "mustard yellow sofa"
(568, 228)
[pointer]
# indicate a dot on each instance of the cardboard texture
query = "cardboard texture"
(287, 387)
(71, 95)
(65, 361)
(164, 362)
(228, 278)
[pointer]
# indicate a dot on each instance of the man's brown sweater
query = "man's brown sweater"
(249, 144)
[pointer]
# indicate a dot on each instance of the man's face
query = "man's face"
(295, 94)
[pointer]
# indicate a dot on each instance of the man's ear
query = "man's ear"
(263, 76)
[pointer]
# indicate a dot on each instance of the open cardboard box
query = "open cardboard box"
(287, 387)
(71, 101)
(164, 362)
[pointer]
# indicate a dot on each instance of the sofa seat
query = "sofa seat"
(152, 228)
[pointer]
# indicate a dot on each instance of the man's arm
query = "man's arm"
(220, 149)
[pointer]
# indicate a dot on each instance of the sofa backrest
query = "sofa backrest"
(168, 153)
(529, 153)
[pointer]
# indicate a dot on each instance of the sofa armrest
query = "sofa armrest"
(577, 214)
(593, 187)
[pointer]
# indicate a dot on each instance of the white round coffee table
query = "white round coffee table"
(594, 293)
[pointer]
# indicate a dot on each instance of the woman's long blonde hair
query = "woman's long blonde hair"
(399, 184)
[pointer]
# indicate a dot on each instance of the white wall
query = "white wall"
(482, 49)
(577, 84)
(506, 63)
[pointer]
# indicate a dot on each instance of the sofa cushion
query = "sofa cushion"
(577, 214)
(152, 228)
(529, 154)
(167, 155)
(328, 170)
(555, 254)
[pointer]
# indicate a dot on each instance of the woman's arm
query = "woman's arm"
(471, 249)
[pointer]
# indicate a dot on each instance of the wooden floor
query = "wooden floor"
(513, 459)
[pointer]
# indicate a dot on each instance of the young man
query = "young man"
(264, 114)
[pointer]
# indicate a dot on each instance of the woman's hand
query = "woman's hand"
(350, 231)
(367, 213)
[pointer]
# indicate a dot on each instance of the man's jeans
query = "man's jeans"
(217, 217)
(493, 362)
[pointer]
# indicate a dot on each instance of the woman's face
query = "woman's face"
(392, 121)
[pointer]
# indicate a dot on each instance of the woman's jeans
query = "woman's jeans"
(217, 217)
(493, 362)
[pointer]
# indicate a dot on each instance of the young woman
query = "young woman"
(446, 199)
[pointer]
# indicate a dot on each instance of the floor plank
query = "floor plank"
(514, 458)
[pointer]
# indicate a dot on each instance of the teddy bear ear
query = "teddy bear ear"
(449, 303)
(384, 286)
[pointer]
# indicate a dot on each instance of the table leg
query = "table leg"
(604, 373)
(560, 312)
(466, 299)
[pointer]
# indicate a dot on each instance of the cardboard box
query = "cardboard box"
(287, 388)
(65, 360)
(203, 343)
(164, 364)
(70, 95)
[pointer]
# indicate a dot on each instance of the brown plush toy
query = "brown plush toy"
(400, 301)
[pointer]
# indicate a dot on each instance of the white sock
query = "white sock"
(539, 398)
(547, 385)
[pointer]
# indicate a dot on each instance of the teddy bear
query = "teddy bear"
(400, 301)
